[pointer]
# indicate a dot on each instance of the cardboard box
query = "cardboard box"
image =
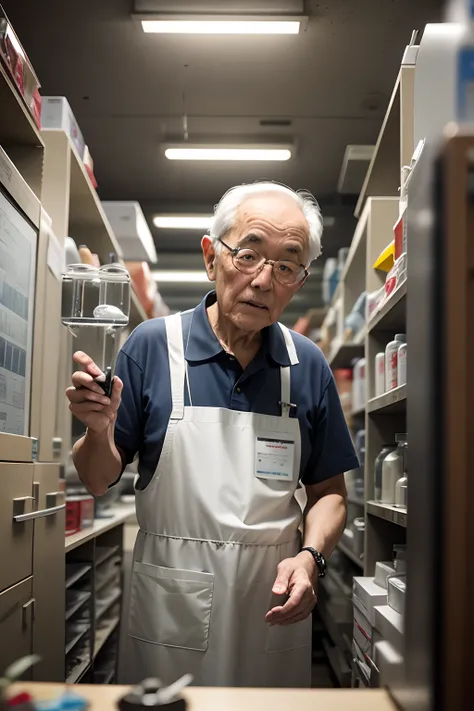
(56, 113)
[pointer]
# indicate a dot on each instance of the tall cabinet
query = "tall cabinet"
(31, 496)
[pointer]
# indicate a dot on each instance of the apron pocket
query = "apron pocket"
(170, 607)
(284, 639)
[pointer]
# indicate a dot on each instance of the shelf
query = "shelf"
(357, 242)
(392, 315)
(107, 581)
(338, 664)
(358, 413)
(342, 354)
(103, 607)
(78, 672)
(17, 125)
(100, 525)
(389, 403)
(394, 146)
(70, 645)
(82, 599)
(77, 571)
(103, 553)
(102, 635)
(349, 554)
(388, 513)
(359, 338)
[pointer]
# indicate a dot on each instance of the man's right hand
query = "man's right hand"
(87, 400)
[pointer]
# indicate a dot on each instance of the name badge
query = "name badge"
(274, 459)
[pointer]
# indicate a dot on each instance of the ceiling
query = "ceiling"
(129, 91)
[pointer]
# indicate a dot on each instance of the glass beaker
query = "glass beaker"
(80, 295)
(113, 309)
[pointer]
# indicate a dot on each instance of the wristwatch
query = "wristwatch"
(319, 559)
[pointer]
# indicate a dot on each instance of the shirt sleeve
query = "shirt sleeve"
(129, 423)
(333, 452)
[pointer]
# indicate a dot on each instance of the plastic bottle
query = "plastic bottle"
(379, 374)
(393, 467)
(391, 361)
(386, 450)
(402, 364)
(401, 492)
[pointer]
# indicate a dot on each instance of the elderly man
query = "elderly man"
(228, 412)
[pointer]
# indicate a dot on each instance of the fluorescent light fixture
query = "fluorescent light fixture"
(220, 26)
(168, 276)
(229, 153)
(183, 222)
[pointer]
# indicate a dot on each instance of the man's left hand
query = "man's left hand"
(296, 578)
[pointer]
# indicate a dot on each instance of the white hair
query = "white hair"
(226, 210)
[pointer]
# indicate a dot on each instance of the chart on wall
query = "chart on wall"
(17, 276)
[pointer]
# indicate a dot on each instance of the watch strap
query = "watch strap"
(319, 559)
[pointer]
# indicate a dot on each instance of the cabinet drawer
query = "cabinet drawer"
(16, 622)
(16, 537)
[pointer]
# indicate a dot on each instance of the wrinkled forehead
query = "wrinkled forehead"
(272, 213)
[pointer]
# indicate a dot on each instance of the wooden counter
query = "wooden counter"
(103, 698)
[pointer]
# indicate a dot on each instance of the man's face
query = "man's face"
(275, 227)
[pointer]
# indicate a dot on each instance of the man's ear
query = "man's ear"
(209, 255)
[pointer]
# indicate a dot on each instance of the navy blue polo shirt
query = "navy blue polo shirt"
(217, 380)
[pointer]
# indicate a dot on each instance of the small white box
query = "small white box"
(57, 113)
(382, 571)
(396, 593)
(389, 662)
(366, 595)
(389, 627)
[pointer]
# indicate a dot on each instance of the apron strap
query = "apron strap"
(290, 345)
(174, 334)
(285, 372)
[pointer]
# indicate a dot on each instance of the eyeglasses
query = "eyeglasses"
(248, 261)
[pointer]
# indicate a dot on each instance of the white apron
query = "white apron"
(210, 540)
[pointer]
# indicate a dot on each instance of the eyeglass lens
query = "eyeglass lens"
(249, 261)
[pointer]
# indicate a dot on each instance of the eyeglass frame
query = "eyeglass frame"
(235, 250)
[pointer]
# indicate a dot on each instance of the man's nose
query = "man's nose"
(264, 278)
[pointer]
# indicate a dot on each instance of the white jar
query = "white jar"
(402, 364)
(391, 361)
(379, 374)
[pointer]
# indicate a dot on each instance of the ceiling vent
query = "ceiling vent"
(354, 168)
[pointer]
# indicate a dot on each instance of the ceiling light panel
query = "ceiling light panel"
(220, 26)
(183, 222)
(228, 153)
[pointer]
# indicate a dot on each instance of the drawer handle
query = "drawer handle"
(39, 514)
(20, 506)
(31, 603)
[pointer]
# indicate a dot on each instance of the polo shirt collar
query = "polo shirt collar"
(203, 345)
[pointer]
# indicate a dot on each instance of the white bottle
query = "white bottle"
(391, 361)
(402, 365)
(379, 374)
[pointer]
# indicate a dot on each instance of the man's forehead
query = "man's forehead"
(280, 210)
